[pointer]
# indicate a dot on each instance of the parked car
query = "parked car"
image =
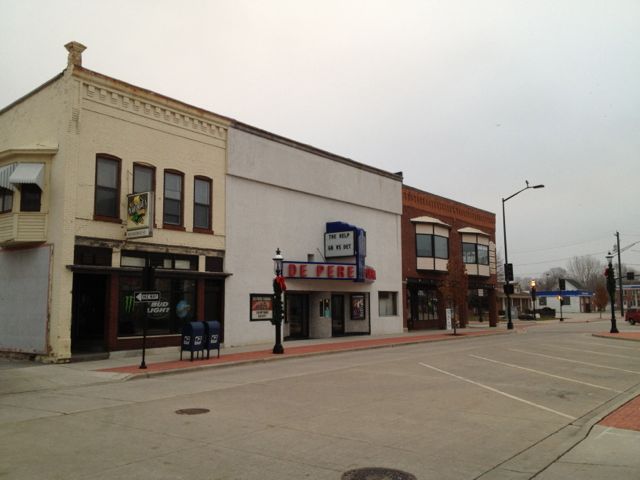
(632, 315)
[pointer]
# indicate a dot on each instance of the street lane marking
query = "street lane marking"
(491, 389)
(604, 345)
(626, 357)
(598, 345)
(547, 374)
(574, 361)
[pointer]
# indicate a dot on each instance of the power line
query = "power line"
(561, 246)
(562, 259)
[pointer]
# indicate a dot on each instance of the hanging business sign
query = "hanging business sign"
(140, 215)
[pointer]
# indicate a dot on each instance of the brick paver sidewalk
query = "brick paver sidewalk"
(626, 417)
(298, 351)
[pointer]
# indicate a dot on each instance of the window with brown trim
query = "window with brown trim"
(173, 198)
(144, 178)
(202, 204)
(107, 192)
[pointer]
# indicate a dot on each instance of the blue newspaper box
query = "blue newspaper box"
(192, 338)
(212, 336)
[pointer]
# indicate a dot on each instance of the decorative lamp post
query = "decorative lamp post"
(560, 301)
(533, 297)
(278, 288)
(508, 269)
(611, 288)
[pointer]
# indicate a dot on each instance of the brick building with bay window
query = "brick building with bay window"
(434, 229)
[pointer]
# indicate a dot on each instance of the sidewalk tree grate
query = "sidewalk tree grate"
(192, 411)
(377, 473)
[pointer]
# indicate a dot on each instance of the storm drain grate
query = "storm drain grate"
(376, 473)
(192, 411)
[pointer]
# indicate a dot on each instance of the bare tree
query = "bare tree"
(549, 280)
(601, 298)
(586, 270)
(455, 290)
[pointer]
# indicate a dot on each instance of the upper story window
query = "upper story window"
(476, 251)
(144, 178)
(202, 204)
(432, 243)
(432, 246)
(173, 198)
(6, 200)
(107, 194)
(30, 197)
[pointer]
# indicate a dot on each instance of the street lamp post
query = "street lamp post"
(278, 288)
(611, 288)
(560, 300)
(533, 297)
(506, 253)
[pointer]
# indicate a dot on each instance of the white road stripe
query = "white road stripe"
(547, 374)
(574, 361)
(499, 392)
(626, 357)
(602, 344)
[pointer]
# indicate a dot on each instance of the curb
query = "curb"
(271, 357)
(539, 457)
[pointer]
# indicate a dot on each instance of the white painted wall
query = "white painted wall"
(281, 197)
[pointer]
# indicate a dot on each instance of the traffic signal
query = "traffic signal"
(508, 272)
(508, 288)
(562, 284)
(631, 275)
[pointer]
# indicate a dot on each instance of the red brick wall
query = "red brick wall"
(417, 203)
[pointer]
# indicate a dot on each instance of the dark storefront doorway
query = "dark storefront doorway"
(337, 315)
(90, 293)
(214, 303)
(298, 316)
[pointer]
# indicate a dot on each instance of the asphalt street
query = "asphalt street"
(505, 406)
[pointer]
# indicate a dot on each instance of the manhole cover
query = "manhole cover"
(192, 411)
(375, 473)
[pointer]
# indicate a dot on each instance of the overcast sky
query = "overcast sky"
(467, 98)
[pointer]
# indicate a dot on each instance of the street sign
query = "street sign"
(146, 296)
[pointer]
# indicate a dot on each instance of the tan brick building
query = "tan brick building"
(70, 152)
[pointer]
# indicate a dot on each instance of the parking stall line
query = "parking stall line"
(499, 392)
(547, 374)
(626, 357)
(605, 346)
(574, 361)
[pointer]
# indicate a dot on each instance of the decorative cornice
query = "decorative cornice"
(15, 152)
(449, 209)
(154, 110)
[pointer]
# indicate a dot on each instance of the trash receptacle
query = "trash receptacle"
(192, 338)
(212, 336)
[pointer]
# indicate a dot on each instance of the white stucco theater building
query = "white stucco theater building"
(337, 223)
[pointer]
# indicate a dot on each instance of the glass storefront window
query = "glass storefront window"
(166, 317)
(427, 305)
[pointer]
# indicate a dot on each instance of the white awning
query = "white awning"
(5, 173)
(28, 173)
(429, 220)
(473, 230)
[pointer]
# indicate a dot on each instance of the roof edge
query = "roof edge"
(244, 127)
